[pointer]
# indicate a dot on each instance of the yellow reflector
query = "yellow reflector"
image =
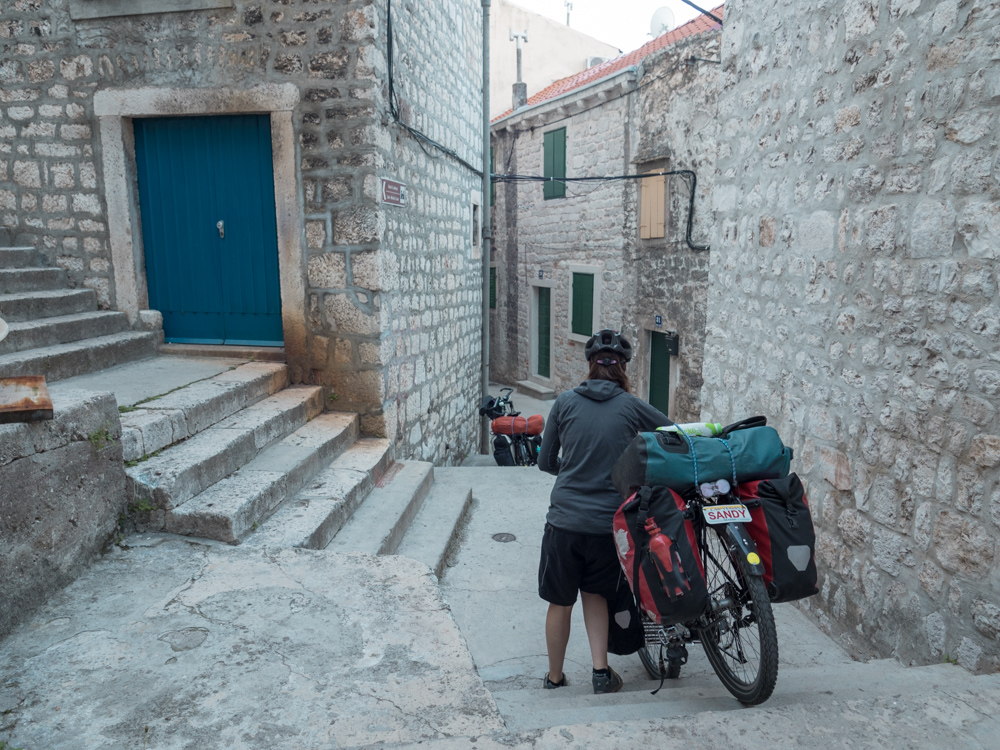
(753, 558)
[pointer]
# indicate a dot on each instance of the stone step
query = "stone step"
(14, 280)
(160, 421)
(79, 357)
(535, 390)
(378, 526)
(530, 707)
(62, 329)
(18, 257)
(313, 517)
(234, 507)
(185, 470)
(24, 306)
(435, 530)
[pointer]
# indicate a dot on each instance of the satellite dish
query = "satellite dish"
(663, 20)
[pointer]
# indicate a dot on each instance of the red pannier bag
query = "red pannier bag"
(657, 551)
(783, 531)
(518, 425)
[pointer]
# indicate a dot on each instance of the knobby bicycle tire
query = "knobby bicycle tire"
(741, 642)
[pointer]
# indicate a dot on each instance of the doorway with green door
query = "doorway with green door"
(541, 332)
(662, 348)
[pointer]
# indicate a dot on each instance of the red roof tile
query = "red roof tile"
(605, 69)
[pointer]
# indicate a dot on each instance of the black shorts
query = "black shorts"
(574, 562)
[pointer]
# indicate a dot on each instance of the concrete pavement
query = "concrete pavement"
(176, 643)
(823, 698)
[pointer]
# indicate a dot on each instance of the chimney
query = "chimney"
(520, 96)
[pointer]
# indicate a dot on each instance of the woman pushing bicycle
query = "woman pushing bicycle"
(592, 425)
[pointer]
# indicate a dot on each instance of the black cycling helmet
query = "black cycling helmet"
(611, 341)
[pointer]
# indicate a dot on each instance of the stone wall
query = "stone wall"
(854, 301)
(661, 119)
(361, 328)
(430, 260)
(62, 492)
(585, 227)
(674, 126)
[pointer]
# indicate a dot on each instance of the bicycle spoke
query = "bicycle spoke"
(734, 637)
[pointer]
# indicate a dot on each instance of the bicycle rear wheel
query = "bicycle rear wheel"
(649, 656)
(741, 641)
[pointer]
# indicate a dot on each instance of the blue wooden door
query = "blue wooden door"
(206, 194)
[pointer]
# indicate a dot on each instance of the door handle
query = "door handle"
(221, 226)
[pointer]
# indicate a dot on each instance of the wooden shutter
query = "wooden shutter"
(554, 163)
(659, 207)
(652, 207)
(583, 304)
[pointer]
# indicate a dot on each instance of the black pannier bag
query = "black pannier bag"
(668, 580)
(626, 635)
(783, 530)
(501, 451)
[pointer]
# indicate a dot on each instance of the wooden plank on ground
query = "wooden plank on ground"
(24, 399)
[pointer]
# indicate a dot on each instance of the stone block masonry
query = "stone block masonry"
(62, 490)
(657, 117)
(389, 295)
(854, 301)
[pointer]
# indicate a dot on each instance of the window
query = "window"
(652, 207)
(584, 302)
(554, 153)
(493, 287)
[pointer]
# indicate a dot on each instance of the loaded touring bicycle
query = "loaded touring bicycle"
(714, 530)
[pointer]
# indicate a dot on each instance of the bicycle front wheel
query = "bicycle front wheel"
(741, 641)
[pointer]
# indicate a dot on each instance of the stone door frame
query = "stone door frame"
(115, 108)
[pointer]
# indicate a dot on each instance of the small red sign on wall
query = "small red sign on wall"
(393, 193)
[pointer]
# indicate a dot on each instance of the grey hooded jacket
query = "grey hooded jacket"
(593, 424)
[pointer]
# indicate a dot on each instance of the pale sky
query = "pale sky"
(623, 23)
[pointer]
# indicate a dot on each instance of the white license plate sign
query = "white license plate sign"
(726, 514)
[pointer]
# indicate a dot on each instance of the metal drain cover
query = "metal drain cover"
(504, 537)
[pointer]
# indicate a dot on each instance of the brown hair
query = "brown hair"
(615, 373)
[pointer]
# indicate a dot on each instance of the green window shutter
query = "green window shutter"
(544, 330)
(659, 372)
(493, 188)
(583, 304)
(554, 163)
(493, 286)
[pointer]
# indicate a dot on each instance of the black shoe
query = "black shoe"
(550, 685)
(607, 681)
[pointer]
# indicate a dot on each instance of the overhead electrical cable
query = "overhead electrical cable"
(423, 140)
(684, 173)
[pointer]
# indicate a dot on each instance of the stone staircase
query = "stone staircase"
(244, 458)
(56, 330)
(239, 457)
